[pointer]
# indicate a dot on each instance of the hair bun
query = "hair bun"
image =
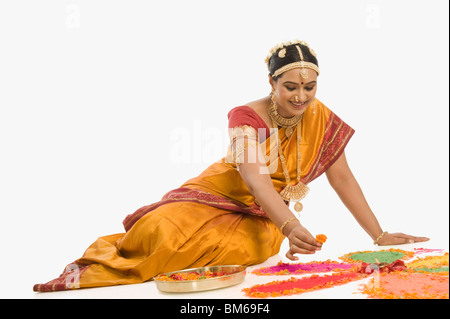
(291, 54)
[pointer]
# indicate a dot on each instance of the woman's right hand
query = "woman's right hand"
(301, 242)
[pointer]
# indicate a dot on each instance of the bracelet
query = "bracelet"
(375, 242)
(286, 222)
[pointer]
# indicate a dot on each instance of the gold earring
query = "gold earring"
(314, 106)
(274, 102)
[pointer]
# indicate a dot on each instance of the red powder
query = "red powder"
(295, 286)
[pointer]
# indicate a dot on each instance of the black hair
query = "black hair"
(291, 55)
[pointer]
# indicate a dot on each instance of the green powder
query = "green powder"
(426, 269)
(381, 256)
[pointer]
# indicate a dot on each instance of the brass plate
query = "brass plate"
(235, 275)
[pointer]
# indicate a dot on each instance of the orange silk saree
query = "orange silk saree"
(211, 219)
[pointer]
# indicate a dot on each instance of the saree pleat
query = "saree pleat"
(211, 219)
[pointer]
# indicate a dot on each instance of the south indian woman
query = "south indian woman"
(237, 211)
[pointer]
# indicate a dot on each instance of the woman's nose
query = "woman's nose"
(302, 96)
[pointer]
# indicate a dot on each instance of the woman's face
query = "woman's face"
(293, 93)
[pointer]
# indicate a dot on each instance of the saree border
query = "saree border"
(68, 280)
(184, 194)
(336, 137)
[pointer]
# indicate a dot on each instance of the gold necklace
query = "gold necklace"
(299, 190)
(289, 124)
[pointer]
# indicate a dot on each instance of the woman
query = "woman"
(237, 210)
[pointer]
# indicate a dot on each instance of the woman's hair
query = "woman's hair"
(287, 53)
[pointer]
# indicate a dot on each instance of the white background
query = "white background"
(107, 105)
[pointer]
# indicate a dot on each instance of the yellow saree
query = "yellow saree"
(211, 219)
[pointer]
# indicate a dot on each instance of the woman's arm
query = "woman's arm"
(344, 183)
(257, 179)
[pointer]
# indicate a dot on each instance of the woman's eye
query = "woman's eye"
(290, 88)
(310, 88)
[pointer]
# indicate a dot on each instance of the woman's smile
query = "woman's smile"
(298, 105)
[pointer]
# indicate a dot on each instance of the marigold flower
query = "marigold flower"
(321, 238)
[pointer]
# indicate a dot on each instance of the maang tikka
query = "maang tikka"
(303, 70)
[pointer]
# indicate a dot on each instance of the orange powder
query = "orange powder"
(409, 286)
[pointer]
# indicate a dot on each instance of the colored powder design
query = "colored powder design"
(381, 256)
(299, 268)
(430, 264)
(300, 285)
(403, 285)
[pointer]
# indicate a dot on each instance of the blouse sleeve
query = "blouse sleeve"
(244, 115)
(246, 130)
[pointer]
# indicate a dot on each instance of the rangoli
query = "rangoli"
(423, 278)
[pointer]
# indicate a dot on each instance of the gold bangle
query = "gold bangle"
(375, 242)
(286, 222)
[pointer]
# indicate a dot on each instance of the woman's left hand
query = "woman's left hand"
(400, 239)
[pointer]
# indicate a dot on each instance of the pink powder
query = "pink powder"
(426, 250)
(315, 266)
